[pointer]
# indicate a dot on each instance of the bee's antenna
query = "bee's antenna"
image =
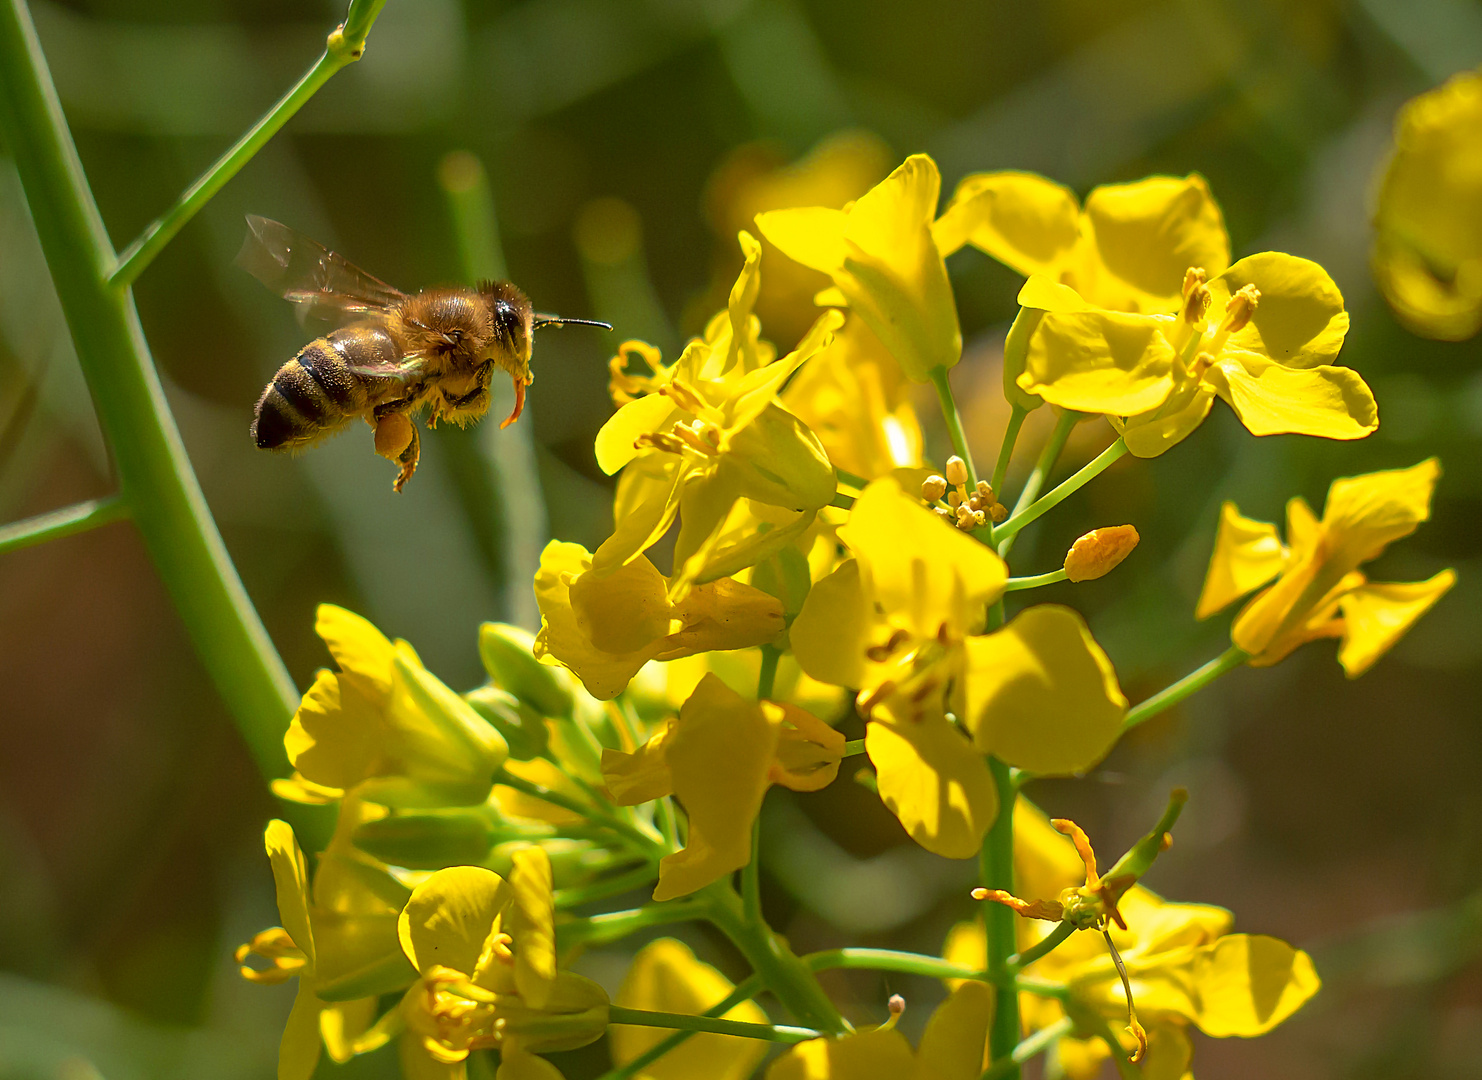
(555, 320)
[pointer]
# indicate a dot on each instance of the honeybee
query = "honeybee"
(392, 354)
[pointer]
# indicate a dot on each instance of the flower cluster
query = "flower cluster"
(787, 564)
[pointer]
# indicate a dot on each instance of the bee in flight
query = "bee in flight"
(392, 354)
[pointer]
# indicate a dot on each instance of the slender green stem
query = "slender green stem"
(1198, 679)
(626, 882)
(767, 677)
(744, 990)
(780, 969)
(1014, 584)
(576, 806)
(58, 523)
(1006, 450)
(1046, 945)
(615, 925)
(857, 482)
(344, 47)
(751, 878)
(1043, 466)
(997, 872)
(907, 963)
(842, 501)
(938, 378)
(616, 1014)
(853, 747)
(1037, 1043)
(1068, 487)
(155, 476)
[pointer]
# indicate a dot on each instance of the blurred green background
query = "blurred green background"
(620, 137)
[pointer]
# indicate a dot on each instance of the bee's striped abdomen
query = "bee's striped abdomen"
(318, 391)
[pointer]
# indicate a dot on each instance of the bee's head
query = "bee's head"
(509, 309)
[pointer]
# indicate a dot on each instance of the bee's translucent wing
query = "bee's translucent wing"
(326, 285)
(406, 369)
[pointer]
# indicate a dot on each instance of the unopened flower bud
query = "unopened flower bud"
(954, 499)
(1240, 308)
(896, 1004)
(998, 513)
(985, 491)
(964, 516)
(956, 471)
(945, 515)
(933, 488)
(1099, 551)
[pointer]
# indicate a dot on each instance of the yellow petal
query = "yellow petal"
(1024, 221)
(1143, 237)
(719, 754)
(1299, 322)
(967, 945)
(418, 1064)
(615, 441)
(722, 615)
(808, 750)
(361, 651)
(836, 625)
(298, 1052)
(344, 1025)
(336, 733)
(775, 459)
(1041, 694)
(1249, 983)
(532, 923)
(1247, 554)
(1328, 402)
(623, 611)
(643, 511)
(448, 918)
(1364, 514)
(933, 780)
(640, 776)
(1378, 615)
(1099, 361)
(870, 1055)
(666, 977)
(921, 571)
(813, 236)
(952, 1047)
(517, 1063)
(1046, 294)
(291, 881)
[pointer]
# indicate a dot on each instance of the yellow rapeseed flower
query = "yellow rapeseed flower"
(666, 977)
(880, 253)
(1428, 222)
(719, 756)
(902, 622)
(1319, 591)
(605, 627)
(385, 727)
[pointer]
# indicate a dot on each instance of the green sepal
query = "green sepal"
(505, 651)
(522, 726)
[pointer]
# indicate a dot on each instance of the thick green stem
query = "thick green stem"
(859, 483)
(853, 747)
(933, 967)
(1047, 502)
(745, 990)
(780, 969)
(615, 925)
(954, 422)
(1006, 450)
(59, 523)
(1037, 1043)
(1043, 466)
(1170, 696)
(616, 1014)
(1014, 584)
(344, 47)
(997, 872)
(155, 476)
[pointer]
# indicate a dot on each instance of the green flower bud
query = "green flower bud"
(507, 658)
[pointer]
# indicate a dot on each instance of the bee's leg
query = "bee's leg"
(396, 439)
(519, 403)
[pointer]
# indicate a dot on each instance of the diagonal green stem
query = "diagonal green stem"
(1043, 947)
(59, 523)
(616, 1014)
(615, 925)
(1043, 466)
(1047, 502)
(1006, 449)
(744, 990)
(1037, 1043)
(155, 477)
(1195, 680)
(954, 422)
(344, 47)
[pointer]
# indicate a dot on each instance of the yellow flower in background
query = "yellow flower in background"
(1319, 591)
(707, 433)
(484, 948)
(338, 939)
(952, 1047)
(1125, 251)
(902, 622)
(1275, 324)
(854, 398)
(666, 977)
(884, 263)
(719, 757)
(385, 727)
(1427, 253)
(837, 170)
(604, 628)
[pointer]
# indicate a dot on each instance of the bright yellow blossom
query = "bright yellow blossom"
(385, 727)
(707, 433)
(952, 1047)
(1319, 590)
(880, 253)
(665, 976)
(1428, 222)
(338, 939)
(902, 622)
(719, 756)
(604, 628)
(485, 951)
